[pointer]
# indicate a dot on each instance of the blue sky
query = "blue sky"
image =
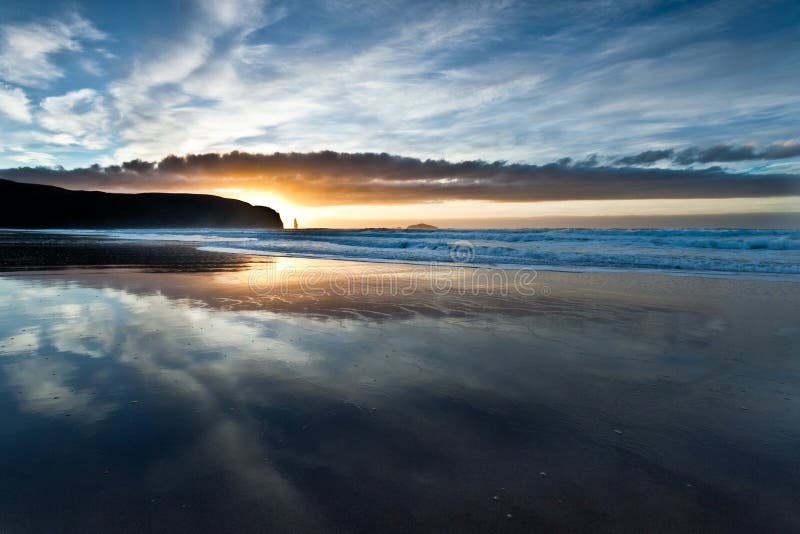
(86, 82)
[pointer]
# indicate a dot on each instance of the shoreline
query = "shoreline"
(294, 282)
(787, 277)
(62, 249)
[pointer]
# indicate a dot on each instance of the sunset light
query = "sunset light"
(408, 266)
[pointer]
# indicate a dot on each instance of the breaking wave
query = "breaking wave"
(693, 250)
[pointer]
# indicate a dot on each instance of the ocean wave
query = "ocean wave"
(695, 250)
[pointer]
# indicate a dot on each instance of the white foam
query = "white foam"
(672, 250)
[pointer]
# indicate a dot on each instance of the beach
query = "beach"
(153, 386)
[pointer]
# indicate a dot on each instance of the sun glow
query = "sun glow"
(485, 214)
(287, 209)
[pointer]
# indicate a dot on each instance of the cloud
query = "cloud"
(215, 87)
(333, 178)
(32, 157)
(191, 94)
(26, 49)
(648, 157)
(237, 14)
(730, 153)
(14, 103)
(723, 153)
(81, 117)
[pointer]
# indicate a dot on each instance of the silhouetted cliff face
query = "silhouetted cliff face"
(44, 206)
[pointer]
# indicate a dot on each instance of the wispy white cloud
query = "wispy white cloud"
(14, 103)
(230, 94)
(26, 50)
(30, 157)
(239, 15)
(91, 66)
(80, 117)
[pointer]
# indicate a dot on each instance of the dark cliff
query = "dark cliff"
(45, 206)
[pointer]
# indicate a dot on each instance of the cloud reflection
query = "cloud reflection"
(313, 421)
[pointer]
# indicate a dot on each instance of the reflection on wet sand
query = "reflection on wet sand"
(136, 400)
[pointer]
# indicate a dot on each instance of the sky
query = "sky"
(349, 113)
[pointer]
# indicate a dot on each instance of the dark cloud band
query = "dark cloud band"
(715, 154)
(326, 178)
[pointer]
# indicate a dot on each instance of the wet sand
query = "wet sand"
(162, 389)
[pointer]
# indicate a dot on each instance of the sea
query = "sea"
(691, 251)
